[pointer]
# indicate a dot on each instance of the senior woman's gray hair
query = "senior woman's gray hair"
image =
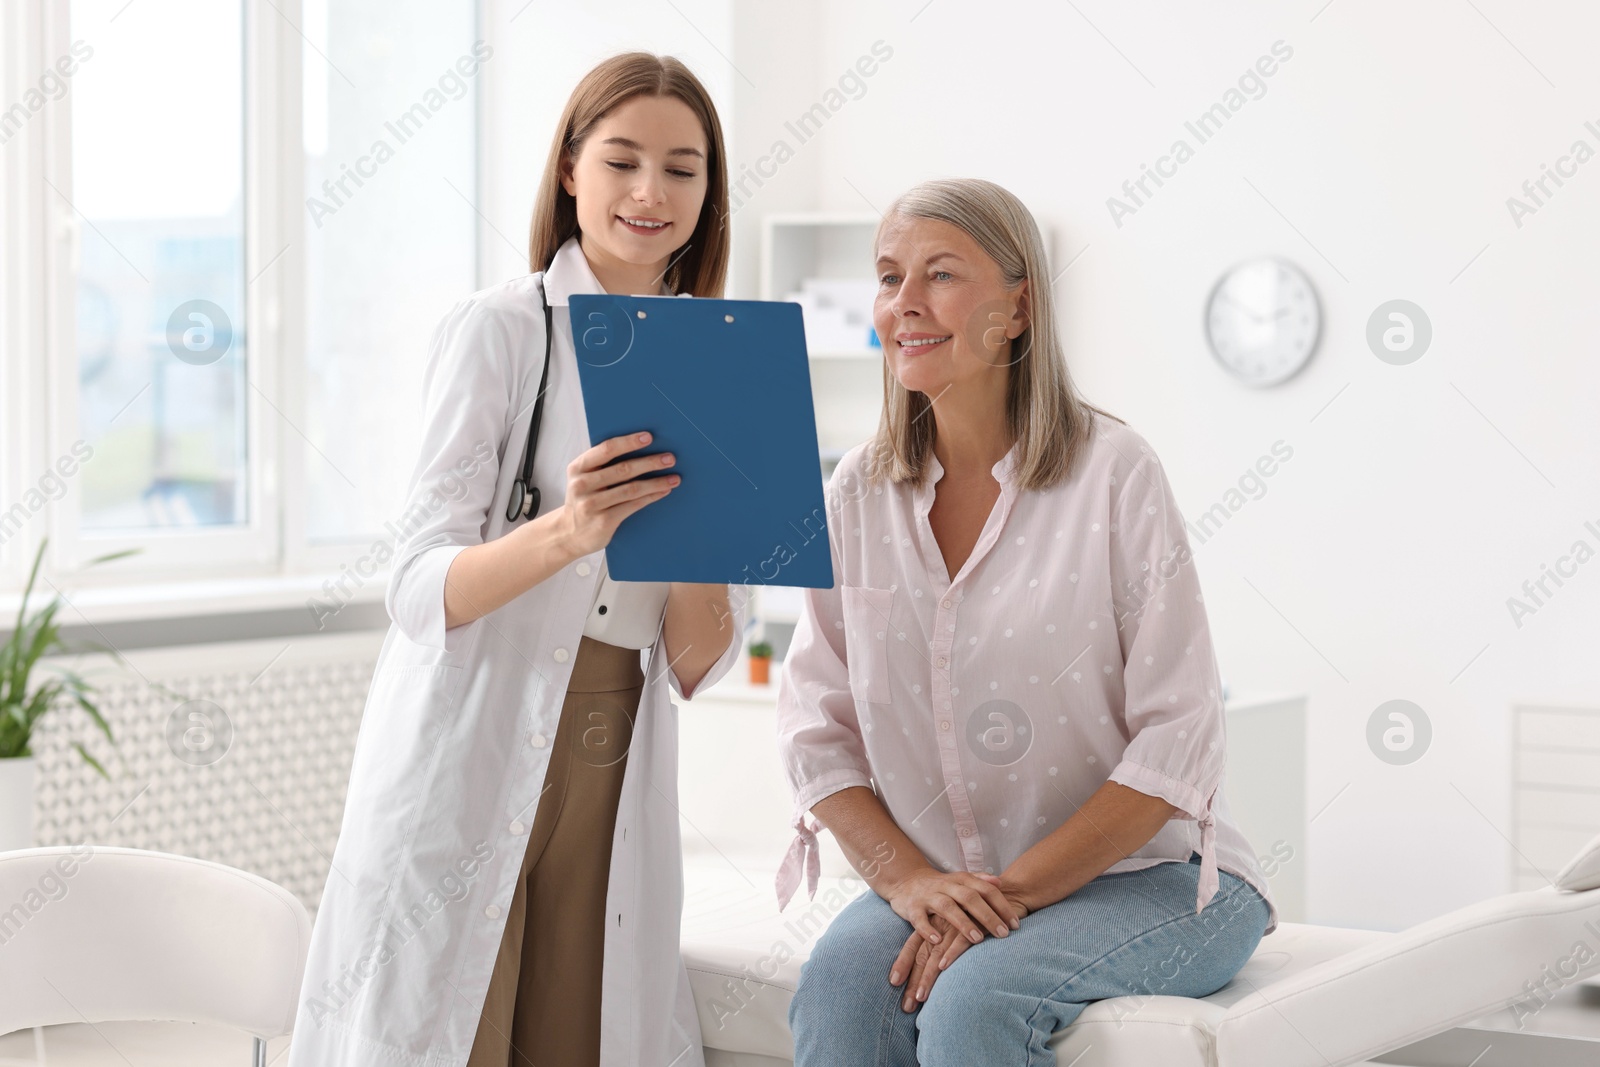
(1043, 408)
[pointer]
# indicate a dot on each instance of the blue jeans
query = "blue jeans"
(1134, 933)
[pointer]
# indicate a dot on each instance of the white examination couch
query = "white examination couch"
(138, 935)
(1311, 996)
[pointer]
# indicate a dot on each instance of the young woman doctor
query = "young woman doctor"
(507, 885)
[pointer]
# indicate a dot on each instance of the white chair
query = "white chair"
(1311, 996)
(93, 933)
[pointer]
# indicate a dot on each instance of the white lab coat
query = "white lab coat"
(451, 755)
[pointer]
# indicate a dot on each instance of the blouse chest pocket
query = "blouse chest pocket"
(866, 628)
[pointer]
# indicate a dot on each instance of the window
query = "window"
(390, 95)
(157, 190)
(256, 215)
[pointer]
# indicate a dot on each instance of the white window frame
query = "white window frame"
(272, 542)
(22, 236)
(252, 547)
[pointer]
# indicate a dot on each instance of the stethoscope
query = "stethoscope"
(524, 502)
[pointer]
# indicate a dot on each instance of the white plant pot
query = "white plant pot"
(16, 803)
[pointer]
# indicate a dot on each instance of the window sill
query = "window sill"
(102, 604)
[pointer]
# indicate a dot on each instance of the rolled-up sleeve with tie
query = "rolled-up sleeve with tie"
(1173, 704)
(818, 731)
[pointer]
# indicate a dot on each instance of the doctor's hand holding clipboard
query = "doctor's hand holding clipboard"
(601, 493)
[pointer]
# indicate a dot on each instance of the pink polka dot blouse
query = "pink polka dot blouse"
(1072, 648)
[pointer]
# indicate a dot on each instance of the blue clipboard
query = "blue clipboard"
(725, 386)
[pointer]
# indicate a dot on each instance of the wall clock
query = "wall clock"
(1262, 321)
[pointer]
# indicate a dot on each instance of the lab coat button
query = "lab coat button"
(583, 570)
(537, 740)
(560, 655)
(492, 912)
(517, 827)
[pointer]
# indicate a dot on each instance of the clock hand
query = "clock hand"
(1241, 307)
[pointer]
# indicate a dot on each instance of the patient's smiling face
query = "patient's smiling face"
(942, 311)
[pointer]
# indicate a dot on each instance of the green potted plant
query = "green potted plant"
(25, 700)
(760, 662)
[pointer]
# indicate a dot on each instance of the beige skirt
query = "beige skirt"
(543, 1004)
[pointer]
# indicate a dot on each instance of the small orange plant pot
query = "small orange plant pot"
(760, 662)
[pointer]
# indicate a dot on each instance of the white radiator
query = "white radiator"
(1555, 789)
(244, 762)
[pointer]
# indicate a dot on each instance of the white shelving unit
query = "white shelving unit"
(836, 247)
(847, 384)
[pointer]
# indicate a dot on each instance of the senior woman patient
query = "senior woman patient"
(1007, 709)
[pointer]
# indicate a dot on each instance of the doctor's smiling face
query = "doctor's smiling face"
(942, 311)
(639, 179)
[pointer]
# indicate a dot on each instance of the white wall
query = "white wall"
(1379, 560)
(541, 50)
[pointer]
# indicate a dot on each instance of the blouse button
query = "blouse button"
(517, 828)
(944, 726)
(939, 662)
(537, 740)
(583, 569)
(492, 912)
(966, 831)
(560, 655)
(945, 602)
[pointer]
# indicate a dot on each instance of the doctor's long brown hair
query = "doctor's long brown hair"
(701, 266)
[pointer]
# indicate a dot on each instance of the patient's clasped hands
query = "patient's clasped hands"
(950, 911)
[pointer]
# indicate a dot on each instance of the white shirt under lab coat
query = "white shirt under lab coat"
(455, 739)
(625, 614)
